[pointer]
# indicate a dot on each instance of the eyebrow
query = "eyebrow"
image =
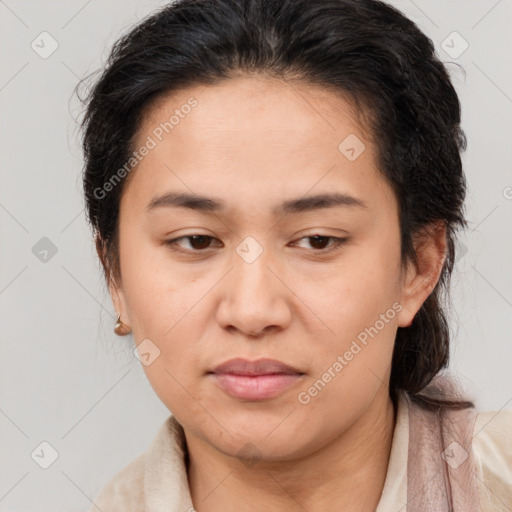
(211, 205)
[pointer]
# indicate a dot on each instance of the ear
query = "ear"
(115, 290)
(421, 278)
(119, 302)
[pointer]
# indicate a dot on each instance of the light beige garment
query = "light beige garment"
(156, 481)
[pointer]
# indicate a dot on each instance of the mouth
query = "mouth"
(255, 380)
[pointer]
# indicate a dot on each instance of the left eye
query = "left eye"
(198, 243)
(320, 240)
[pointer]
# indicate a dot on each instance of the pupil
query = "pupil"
(316, 238)
(199, 238)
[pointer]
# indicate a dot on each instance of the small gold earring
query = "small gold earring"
(120, 328)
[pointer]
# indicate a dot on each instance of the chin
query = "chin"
(254, 440)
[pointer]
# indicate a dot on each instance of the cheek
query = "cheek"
(359, 304)
(353, 356)
(154, 291)
(355, 295)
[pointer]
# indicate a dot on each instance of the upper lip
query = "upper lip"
(263, 366)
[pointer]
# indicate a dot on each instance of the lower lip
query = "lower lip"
(255, 387)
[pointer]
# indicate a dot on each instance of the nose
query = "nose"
(255, 299)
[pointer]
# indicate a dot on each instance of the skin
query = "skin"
(255, 142)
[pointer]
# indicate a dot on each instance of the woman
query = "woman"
(275, 189)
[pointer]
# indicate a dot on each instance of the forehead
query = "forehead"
(255, 135)
(254, 105)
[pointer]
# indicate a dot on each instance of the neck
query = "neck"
(347, 474)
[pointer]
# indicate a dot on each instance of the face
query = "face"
(294, 256)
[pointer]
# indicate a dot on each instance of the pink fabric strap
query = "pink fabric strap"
(441, 470)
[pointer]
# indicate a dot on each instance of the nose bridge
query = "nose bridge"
(252, 278)
(254, 299)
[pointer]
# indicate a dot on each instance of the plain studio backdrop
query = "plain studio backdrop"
(71, 396)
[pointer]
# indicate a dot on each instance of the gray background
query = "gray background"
(65, 378)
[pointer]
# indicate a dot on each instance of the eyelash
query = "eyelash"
(338, 242)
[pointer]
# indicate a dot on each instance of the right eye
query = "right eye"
(197, 243)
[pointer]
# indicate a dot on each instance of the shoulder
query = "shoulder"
(124, 492)
(150, 477)
(492, 448)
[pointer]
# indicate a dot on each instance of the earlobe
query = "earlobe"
(422, 277)
(122, 325)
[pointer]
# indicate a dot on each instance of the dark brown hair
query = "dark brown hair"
(365, 49)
